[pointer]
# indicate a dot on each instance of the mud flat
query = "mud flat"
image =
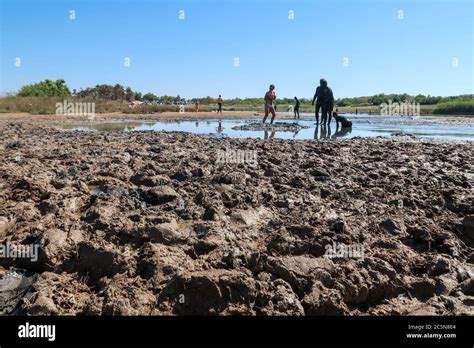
(152, 223)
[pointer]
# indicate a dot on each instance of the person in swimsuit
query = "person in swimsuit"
(269, 103)
(220, 101)
(297, 107)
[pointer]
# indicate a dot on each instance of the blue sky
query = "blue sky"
(195, 57)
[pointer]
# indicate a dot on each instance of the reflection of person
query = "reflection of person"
(270, 103)
(325, 131)
(219, 127)
(297, 108)
(265, 135)
(220, 101)
(342, 132)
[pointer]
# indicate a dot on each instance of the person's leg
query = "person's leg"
(266, 113)
(298, 111)
(316, 112)
(323, 115)
(330, 113)
(272, 110)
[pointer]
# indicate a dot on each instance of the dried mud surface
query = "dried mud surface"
(148, 223)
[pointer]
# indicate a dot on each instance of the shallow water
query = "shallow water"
(438, 127)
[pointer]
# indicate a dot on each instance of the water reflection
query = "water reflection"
(363, 127)
(343, 132)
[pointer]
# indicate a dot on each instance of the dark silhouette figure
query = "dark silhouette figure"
(317, 98)
(296, 110)
(324, 100)
(220, 101)
(327, 102)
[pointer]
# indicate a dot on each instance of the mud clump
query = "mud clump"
(146, 223)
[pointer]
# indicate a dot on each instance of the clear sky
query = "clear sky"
(427, 48)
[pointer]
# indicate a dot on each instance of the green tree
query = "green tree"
(46, 88)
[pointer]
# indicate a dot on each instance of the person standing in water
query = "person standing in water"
(270, 97)
(328, 102)
(318, 99)
(220, 101)
(297, 108)
(324, 100)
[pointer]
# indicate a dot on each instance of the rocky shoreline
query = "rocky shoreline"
(148, 223)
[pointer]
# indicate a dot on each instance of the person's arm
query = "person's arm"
(315, 95)
(331, 96)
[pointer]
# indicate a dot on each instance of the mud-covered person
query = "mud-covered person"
(318, 99)
(296, 109)
(269, 98)
(327, 101)
(345, 123)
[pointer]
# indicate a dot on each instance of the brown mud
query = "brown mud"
(148, 223)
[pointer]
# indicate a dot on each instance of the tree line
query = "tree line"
(58, 88)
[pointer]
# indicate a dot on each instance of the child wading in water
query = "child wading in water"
(269, 103)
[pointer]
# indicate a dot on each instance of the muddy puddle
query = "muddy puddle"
(438, 128)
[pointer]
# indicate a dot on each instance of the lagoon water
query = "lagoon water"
(433, 127)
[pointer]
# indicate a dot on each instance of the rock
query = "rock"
(98, 261)
(5, 224)
(298, 270)
(393, 226)
(467, 286)
(440, 266)
(165, 233)
(423, 288)
(13, 286)
(213, 292)
(468, 226)
(46, 207)
(160, 195)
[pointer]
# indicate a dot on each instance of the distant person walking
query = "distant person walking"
(196, 106)
(220, 101)
(296, 110)
(270, 97)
